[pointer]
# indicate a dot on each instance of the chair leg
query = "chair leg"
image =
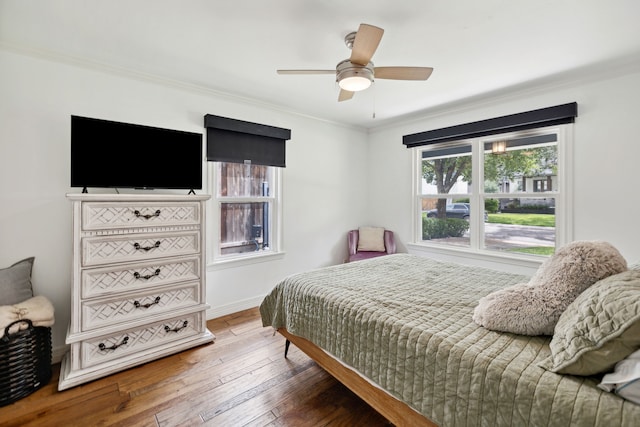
(286, 348)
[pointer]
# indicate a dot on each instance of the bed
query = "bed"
(398, 331)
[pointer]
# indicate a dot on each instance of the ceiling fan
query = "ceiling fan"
(357, 72)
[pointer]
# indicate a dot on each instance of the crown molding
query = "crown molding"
(568, 79)
(128, 73)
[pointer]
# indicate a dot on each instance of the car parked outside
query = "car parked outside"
(456, 210)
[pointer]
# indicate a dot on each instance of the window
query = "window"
(247, 208)
(511, 200)
(445, 189)
(541, 185)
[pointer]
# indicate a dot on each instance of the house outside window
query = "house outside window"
(509, 203)
(246, 210)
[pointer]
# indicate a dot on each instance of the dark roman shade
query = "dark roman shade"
(550, 116)
(237, 141)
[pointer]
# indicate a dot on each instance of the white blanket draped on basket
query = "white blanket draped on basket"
(37, 309)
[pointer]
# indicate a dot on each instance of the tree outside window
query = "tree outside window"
(516, 217)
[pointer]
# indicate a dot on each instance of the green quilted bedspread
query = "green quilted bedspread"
(404, 322)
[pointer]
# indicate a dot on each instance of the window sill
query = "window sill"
(519, 264)
(242, 260)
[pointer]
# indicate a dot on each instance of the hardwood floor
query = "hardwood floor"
(242, 379)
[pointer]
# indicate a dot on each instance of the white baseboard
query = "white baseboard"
(234, 307)
(58, 353)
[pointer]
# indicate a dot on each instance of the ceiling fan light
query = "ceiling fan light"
(354, 77)
(355, 83)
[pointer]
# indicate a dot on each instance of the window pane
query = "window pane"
(522, 225)
(529, 165)
(519, 193)
(244, 227)
(240, 180)
(445, 221)
(446, 171)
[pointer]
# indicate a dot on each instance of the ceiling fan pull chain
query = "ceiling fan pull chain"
(373, 116)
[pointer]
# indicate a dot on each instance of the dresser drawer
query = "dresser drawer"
(97, 250)
(138, 340)
(129, 277)
(108, 215)
(109, 311)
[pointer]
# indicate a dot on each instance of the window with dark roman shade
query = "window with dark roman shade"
(550, 116)
(237, 141)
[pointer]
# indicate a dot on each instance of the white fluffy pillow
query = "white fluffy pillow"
(534, 308)
(371, 239)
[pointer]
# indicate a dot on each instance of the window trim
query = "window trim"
(564, 201)
(214, 259)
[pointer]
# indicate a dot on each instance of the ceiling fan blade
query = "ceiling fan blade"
(306, 71)
(402, 73)
(365, 44)
(345, 95)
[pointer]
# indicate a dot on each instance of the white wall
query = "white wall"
(323, 183)
(337, 177)
(604, 165)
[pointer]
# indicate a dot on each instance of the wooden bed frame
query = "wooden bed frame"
(394, 410)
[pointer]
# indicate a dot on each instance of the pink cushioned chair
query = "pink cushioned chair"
(354, 255)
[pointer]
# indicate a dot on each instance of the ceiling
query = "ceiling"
(476, 48)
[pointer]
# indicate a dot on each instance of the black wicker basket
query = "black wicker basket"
(25, 361)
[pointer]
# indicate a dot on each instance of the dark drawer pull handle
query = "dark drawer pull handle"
(184, 325)
(103, 347)
(147, 216)
(146, 248)
(138, 305)
(146, 276)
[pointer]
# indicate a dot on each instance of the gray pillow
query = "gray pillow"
(15, 282)
(599, 329)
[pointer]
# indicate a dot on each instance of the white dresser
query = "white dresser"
(138, 282)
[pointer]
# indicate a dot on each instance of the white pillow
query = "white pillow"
(534, 308)
(625, 379)
(371, 239)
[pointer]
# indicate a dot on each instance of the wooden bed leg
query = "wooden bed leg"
(286, 348)
(394, 410)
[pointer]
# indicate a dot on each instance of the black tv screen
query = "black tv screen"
(108, 154)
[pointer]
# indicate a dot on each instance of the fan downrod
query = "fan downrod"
(349, 38)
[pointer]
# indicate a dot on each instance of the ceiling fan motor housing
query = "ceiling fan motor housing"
(354, 77)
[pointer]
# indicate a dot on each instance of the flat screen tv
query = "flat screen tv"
(108, 154)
